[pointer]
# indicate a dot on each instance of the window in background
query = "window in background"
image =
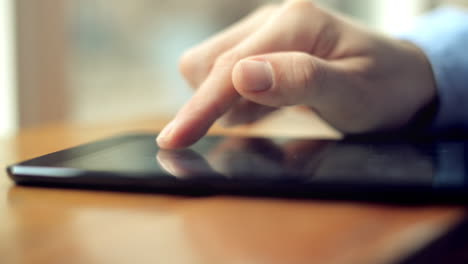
(396, 16)
(389, 16)
(7, 72)
(41, 62)
(124, 54)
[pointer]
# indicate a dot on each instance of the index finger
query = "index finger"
(217, 94)
(196, 63)
(214, 97)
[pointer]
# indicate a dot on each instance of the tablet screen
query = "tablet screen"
(397, 162)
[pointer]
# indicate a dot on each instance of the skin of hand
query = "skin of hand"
(300, 54)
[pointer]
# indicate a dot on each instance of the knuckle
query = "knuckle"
(227, 59)
(294, 14)
(268, 8)
(300, 6)
(188, 63)
(297, 11)
(311, 75)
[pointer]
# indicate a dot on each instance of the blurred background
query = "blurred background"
(94, 61)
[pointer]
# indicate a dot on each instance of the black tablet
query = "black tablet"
(393, 170)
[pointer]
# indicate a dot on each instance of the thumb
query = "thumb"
(287, 78)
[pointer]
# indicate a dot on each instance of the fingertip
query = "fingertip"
(163, 143)
(180, 134)
(170, 143)
(165, 139)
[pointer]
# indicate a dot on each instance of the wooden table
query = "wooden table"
(46, 225)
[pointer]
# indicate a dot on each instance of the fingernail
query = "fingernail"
(165, 134)
(258, 75)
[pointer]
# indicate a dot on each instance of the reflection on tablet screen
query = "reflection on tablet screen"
(422, 163)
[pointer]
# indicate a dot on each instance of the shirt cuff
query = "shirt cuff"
(443, 36)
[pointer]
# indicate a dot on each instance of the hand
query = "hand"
(301, 54)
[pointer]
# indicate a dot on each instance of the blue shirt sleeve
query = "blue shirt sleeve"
(443, 36)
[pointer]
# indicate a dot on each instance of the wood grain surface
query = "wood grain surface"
(47, 225)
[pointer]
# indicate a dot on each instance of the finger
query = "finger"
(196, 63)
(216, 95)
(288, 78)
(330, 88)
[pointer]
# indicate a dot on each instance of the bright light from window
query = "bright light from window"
(7, 69)
(396, 16)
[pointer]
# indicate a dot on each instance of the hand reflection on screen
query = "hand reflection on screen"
(184, 163)
(306, 160)
(245, 157)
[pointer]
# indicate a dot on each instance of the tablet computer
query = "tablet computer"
(391, 170)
